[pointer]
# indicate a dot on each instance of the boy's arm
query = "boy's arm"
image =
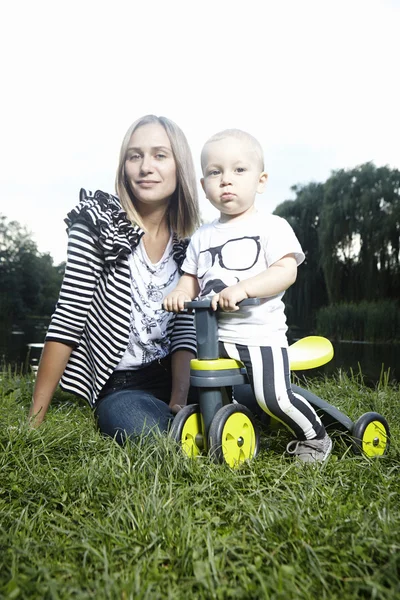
(186, 290)
(274, 280)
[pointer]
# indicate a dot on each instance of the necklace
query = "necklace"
(157, 269)
(154, 292)
(153, 269)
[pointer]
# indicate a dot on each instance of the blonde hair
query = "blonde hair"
(240, 135)
(184, 208)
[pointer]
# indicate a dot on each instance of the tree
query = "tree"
(29, 282)
(349, 228)
(309, 292)
(359, 234)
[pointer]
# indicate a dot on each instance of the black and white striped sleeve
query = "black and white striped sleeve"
(83, 269)
(183, 334)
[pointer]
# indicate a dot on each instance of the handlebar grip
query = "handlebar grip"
(249, 302)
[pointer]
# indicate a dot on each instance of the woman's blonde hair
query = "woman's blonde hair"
(184, 208)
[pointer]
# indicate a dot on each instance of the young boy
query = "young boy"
(245, 254)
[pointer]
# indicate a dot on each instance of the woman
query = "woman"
(109, 339)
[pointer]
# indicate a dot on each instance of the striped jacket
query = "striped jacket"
(94, 309)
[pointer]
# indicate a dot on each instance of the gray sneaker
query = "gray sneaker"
(311, 451)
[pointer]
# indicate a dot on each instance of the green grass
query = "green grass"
(81, 517)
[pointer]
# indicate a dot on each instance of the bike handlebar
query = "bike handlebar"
(206, 303)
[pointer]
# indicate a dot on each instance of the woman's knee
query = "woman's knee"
(131, 413)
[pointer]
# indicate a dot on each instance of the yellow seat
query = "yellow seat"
(215, 364)
(310, 352)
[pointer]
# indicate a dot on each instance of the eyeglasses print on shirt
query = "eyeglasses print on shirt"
(238, 254)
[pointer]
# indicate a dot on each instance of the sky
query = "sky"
(315, 81)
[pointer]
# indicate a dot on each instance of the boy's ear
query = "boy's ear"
(262, 180)
(202, 184)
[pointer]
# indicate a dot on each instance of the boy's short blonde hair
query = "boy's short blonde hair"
(240, 135)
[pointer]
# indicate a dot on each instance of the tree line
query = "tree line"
(349, 228)
(29, 281)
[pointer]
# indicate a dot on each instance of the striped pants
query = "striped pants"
(269, 375)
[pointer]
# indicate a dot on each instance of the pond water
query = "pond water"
(369, 359)
(20, 345)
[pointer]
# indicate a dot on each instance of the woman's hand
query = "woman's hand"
(52, 364)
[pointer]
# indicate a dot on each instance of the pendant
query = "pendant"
(155, 295)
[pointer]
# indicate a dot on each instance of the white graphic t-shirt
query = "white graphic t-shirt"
(150, 283)
(222, 254)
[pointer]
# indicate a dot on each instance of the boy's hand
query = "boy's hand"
(229, 297)
(175, 301)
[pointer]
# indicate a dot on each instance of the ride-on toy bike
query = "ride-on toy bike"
(226, 428)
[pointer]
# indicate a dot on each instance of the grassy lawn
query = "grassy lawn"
(81, 517)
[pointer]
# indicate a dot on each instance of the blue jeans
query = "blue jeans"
(134, 403)
(131, 413)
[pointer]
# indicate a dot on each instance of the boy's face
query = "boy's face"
(232, 176)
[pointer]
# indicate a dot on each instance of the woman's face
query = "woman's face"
(150, 166)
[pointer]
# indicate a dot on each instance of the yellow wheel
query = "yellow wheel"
(371, 435)
(188, 430)
(233, 437)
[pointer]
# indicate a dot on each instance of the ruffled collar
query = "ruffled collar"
(115, 233)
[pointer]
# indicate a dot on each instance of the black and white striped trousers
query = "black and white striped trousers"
(269, 375)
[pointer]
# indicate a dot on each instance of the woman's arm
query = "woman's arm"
(52, 364)
(85, 262)
(83, 269)
(183, 349)
(180, 363)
